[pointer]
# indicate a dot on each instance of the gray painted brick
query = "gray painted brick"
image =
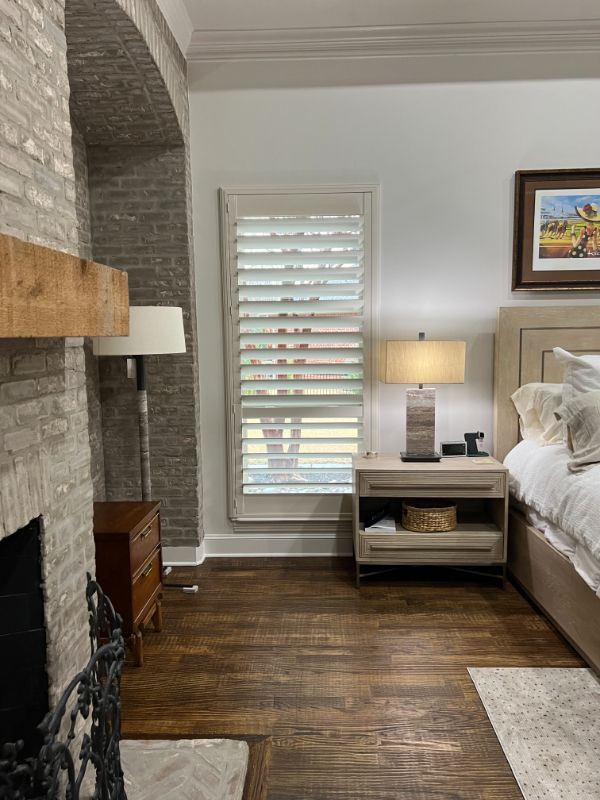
(50, 411)
(140, 214)
(20, 440)
(11, 183)
(51, 384)
(33, 410)
(8, 418)
(28, 363)
(17, 390)
(36, 204)
(56, 427)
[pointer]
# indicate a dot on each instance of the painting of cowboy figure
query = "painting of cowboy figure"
(566, 226)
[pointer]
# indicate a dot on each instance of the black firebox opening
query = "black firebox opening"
(23, 677)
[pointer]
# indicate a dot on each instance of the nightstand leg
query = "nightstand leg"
(357, 575)
(157, 617)
(136, 643)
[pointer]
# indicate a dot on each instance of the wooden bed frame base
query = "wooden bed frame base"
(549, 580)
(523, 354)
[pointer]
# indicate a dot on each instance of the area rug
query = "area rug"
(548, 723)
(184, 769)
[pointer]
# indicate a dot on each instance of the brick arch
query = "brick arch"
(119, 93)
(131, 154)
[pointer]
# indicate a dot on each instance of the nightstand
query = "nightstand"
(129, 565)
(477, 485)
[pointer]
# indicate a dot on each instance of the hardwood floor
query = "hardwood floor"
(365, 693)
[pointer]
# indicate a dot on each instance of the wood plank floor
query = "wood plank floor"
(365, 693)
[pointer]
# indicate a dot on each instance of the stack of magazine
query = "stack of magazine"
(382, 521)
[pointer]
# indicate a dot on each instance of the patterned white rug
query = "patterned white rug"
(548, 723)
(184, 769)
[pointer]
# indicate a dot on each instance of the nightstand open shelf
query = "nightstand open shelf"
(478, 488)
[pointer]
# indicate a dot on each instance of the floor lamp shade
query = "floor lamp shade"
(153, 331)
(422, 361)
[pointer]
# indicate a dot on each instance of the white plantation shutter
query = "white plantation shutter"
(296, 287)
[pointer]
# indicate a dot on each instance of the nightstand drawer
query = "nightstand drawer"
(146, 584)
(431, 484)
(144, 543)
(483, 544)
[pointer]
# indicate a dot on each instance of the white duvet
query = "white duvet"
(539, 477)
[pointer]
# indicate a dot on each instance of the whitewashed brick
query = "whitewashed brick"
(28, 363)
(17, 390)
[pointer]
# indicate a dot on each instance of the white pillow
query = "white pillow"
(582, 373)
(536, 404)
(582, 419)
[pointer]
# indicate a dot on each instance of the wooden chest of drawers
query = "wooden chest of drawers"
(129, 565)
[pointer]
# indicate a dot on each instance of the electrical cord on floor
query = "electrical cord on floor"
(186, 588)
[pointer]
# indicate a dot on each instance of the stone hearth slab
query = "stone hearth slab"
(184, 769)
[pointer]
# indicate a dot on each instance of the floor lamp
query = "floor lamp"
(153, 330)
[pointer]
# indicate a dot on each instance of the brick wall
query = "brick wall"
(45, 470)
(44, 450)
(44, 437)
(139, 216)
(165, 53)
(36, 164)
(129, 98)
(118, 93)
(82, 194)
(84, 238)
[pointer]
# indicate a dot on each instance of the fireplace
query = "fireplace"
(23, 676)
(80, 754)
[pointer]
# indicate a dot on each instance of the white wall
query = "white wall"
(445, 157)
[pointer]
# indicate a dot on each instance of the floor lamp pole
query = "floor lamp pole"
(142, 399)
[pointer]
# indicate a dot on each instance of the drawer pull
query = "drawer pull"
(438, 486)
(144, 534)
(448, 548)
(147, 571)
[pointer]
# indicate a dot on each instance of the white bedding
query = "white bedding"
(566, 504)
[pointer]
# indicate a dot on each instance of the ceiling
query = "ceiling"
(241, 40)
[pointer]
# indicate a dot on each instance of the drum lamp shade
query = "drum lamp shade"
(423, 362)
(153, 330)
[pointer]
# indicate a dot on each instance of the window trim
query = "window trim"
(235, 498)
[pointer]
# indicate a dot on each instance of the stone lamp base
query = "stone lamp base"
(420, 425)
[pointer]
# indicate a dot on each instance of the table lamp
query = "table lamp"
(422, 362)
(153, 330)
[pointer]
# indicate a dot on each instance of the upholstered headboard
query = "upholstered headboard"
(523, 354)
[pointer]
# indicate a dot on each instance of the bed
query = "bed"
(539, 565)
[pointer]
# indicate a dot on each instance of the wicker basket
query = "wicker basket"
(428, 517)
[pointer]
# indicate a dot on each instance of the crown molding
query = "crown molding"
(178, 20)
(551, 36)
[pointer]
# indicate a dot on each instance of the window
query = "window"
(297, 291)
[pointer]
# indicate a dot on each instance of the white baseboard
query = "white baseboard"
(240, 545)
(183, 556)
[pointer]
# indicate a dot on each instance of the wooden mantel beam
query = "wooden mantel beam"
(44, 292)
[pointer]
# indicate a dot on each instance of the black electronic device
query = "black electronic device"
(472, 447)
(453, 449)
(420, 456)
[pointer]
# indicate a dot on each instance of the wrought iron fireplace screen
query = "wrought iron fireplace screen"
(88, 716)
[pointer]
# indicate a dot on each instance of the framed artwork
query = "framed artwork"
(557, 230)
